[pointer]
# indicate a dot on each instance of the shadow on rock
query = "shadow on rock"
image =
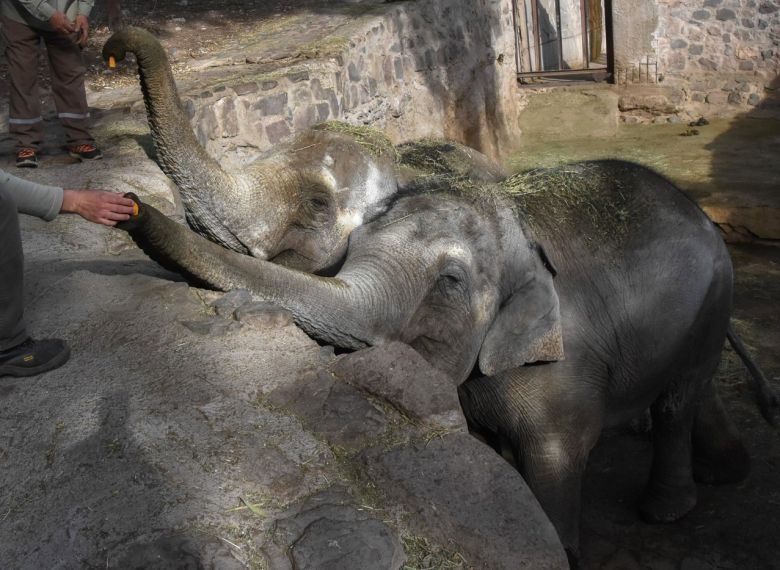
(89, 500)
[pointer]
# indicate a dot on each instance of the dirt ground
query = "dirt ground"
(186, 28)
(734, 527)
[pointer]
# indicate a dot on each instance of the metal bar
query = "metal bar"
(559, 31)
(518, 46)
(592, 71)
(585, 38)
(610, 39)
(537, 36)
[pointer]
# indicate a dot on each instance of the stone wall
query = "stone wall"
(713, 57)
(435, 68)
(447, 68)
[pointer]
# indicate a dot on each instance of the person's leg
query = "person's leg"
(19, 354)
(12, 330)
(67, 85)
(24, 108)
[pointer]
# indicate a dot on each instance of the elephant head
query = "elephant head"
(297, 206)
(456, 277)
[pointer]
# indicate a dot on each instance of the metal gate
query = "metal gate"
(567, 38)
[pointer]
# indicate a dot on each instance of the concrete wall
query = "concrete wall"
(430, 68)
(447, 68)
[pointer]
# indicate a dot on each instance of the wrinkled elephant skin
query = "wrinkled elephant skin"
(583, 295)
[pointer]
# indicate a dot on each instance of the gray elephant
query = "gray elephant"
(296, 207)
(561, 301)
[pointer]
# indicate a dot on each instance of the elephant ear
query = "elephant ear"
(527, 328)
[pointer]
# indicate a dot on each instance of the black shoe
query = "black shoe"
(27, 158)
(85, 152)
(33, 357)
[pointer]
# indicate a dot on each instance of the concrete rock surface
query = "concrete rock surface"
(178, 438)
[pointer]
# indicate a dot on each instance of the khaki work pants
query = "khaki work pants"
(67, 84)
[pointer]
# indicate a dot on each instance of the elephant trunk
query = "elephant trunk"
(208, 192)
(310, 298)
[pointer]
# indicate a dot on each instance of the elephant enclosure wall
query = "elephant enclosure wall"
(437, 68)
(447, 69)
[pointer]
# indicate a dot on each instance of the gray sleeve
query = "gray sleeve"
(84, 7)
(38, 9)
(32, 198)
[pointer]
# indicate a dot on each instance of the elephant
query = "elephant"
(296, 206)
(561, 301)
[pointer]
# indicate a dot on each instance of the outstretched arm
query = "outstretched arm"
(97, 206)
(46, 202)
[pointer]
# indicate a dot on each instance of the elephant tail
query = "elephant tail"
(766, 396)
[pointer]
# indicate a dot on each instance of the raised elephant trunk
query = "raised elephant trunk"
(210, 195)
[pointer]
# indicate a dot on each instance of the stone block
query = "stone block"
(679, 43)
(226, 305)
(208, 125)
(725, 14)
(707, 63)
(398, 374)
(272, 105)
(228, 116)
(352, 72)
(767, 8)
(333, 101)
(245, 88)
(654, 100)
(334, 410)
(398, 65)
(269, 84)
(304, 116)
(457, 490)
(387, 72)
(298, 76)
(323, 112)
(717, 98)
(328, 530)
(747, 52)
(302, 96)
(316, 88)
(696, 49)
(277, 132)
(701, 15)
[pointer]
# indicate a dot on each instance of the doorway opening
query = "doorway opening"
(563, 40)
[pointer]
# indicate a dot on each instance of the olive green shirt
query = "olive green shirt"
(36, 13)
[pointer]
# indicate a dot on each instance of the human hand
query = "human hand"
(59, 21)
(97, 206)
(81, 27)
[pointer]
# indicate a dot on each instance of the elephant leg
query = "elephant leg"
(549, 429)
(671, 491)
(718, 453)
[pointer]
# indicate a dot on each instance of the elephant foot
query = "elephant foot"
(666, 503)
(728, 465)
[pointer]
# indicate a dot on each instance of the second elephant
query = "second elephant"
(561, 300)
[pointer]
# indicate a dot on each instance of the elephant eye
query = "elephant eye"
(451, 283)
(314, 211)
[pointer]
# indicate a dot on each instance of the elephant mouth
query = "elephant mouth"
(293, 259)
